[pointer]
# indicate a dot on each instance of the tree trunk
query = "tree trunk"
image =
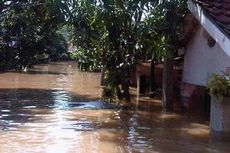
(118, 91)
(152, 79)
(125, 88)
(103, 70)
(167, 84)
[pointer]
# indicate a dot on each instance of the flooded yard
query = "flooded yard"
(54, 108)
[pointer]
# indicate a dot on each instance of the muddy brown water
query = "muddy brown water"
(55, 108)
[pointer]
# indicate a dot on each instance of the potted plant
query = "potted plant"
(219, 89)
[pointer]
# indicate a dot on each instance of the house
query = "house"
(208, 50)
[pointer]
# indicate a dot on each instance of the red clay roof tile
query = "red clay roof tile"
(219, 10)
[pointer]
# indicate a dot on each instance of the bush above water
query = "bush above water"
(219, 86)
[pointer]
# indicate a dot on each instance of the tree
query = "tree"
(112, 29)
(25, 27)
(113, 34)
(168, 20)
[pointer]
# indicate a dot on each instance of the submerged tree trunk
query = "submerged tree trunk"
(125, 88)
(103, 70)
(125, 83)
(167, 84)
(152, 79)
(118, 92)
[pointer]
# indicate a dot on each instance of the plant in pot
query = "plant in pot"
(219, 89)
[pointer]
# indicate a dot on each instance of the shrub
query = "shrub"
(219, 86)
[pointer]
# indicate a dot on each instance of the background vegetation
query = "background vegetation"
(28, 32)
(113, 35)
(116, 35)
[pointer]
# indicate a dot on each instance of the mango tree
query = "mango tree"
(167, 19)
(112, 30)
(26, 28)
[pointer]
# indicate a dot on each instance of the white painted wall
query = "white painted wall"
(201, 60)
(222, 39)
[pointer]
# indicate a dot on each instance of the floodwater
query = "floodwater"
(57, 109)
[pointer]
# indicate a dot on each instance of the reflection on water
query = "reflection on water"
(55, 108)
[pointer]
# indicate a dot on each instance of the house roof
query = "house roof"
(219, 10)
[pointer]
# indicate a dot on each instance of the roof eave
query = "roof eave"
(220, 36)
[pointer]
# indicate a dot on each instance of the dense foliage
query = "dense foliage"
(108, 34)
(166, 19)
(219, 86)
(118, 34)
(113, 35)
(28, 31)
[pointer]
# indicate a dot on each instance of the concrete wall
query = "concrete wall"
(201, 60)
